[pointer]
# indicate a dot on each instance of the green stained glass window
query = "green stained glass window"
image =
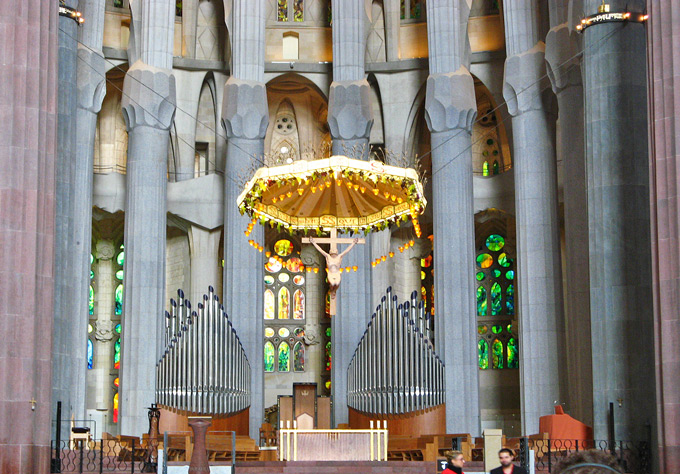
(284, 357)
(91, 259)
(178, 8)
(119, 300)
(496, 297)
(484, 260)
(328, 332)
(509, 328)
(497, 354)
(510, 274)
(485, 169)
(91, 301)
(513, 355)
(116, 354)
(504, 261)
(483, 350)
(495, 242)
(510, 299)
(120, 259)
(403, 9)
(119, 275)
(327, 354)
(482, 329)
(299, 357)
(481, 301)
(118, 3)
(282, 14)
(268, 357)
(298, 10)
(480, 276)
(90, 354)
(496, 329)
(489, 141)
(496, 273)
(91, 274)
(118, 328)
(416, 9)
(496, 169)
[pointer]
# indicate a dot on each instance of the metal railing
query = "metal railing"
(632, 457)
(99, 456)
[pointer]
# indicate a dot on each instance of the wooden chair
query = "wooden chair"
(268, 436)
(79, 436)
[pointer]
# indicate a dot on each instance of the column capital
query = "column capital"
(245, 111)
(562, 57)
(522, 81)
(91, 80)
(349, 110)
(104, 250)
(148, 97)
(450, 101)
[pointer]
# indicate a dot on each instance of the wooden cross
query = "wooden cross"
(333, 240)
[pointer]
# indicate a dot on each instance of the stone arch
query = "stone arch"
(377, 136)
(111, 139)
(206, 129)
(489, 138)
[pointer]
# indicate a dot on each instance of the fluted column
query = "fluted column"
(350, 120)
(69, 351)
(148, 110)
(28, 141)
(245, 117)
(204, 246)
(540, 307)
(315, 310)
(450, 111)
(664, 81)
(618, 222)
(564, 69)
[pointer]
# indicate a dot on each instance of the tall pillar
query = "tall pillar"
(70, 333)
(204, 246)
(28, 138)
(539, 273)
(148, 110)
(450, 111)
(245, 118)
(664, 81)
(350, 120)
(564, 69)
(315, 310)
(618, 221)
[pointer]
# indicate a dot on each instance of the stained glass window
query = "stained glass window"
(91, 301)
(118, 3)
(282, 11)
(118, 328)
(284, 277)
(283, 247)
(496, 273)
(299, 280)
(119, 300)
(482, 329)
(483, 350)
(481, 301)
(328, 304)
(513, 355)
(298, 305)
(294, 265)
(90, 354)
(269, 332)
(268, 357)
(273, 265)
(485, 169)
(284, 303)
(269, 304)
(299, 332)
(268, 280)
(510, 299)
(299, 357)
(116, 354)
(496, 329)
(496, 297)
(328, 384)
(115, 408)
(284, 332)
(496, 169)
(495, 242)
(178, 8)
(510, 274)
(479, 276)
(298, 13)
(119, 275)
(328, 356)
(504, 261)
(120, 259)
(497, 354)
(484, 260)
(284, 357)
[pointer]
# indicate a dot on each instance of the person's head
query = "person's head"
(594, 461)
(506, 456)
(455, 458)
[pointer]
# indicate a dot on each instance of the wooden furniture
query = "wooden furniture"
(304, 408)
(79, 436)
(333, 445)
(268, 435)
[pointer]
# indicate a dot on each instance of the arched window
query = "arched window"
(299, 357)
(299, 305)
(90, 353)
(115, 407)
(269, 303)
(120, 260)
(290, 10)
(485, 169)
(268, 357)
(412, 9)
(284, 357)
(495, 275)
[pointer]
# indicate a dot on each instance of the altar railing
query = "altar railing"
(333, 445)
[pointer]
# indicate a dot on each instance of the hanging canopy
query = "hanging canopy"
(334, 193)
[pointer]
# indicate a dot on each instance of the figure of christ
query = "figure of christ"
(333, 264)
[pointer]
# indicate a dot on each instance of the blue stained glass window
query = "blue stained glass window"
(90, 354)
(119, 300)
(510, 299)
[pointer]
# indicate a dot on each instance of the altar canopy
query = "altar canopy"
(337, 192)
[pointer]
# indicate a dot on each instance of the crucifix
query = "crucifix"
(333, 259)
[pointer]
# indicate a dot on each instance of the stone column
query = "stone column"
(450, 111)
(392, 25)
(245, 118)
(315, 310)
(350, 120)
(204, 247)
(148, 110)
(28, 141)
(618, 222)
(69, 334)
(664, 64)
(189, 19)
(539, 282)
(564, 69)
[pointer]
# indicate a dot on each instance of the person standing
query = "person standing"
(455, 464)
(506, 456)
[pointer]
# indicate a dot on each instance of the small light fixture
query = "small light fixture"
(34, 403)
